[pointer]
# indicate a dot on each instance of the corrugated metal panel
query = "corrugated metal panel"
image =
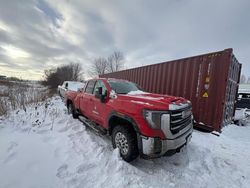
(210, 81)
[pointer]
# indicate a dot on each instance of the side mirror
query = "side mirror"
(112, 95)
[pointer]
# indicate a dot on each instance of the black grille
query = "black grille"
(177, 121)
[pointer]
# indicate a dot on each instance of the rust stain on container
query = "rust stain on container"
(209, 81)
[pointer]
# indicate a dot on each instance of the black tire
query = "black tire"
(131, 140)
(71, 110)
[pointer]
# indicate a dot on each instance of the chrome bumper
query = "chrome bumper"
(155, 147)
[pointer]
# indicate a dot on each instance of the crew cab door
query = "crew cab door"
(86, 99)
(100, 109)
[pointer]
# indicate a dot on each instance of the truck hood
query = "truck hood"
(153, 101)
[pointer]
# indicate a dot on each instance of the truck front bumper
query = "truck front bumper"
(155, 147)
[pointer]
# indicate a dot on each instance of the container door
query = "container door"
(232, 90)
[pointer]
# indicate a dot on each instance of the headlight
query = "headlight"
(153, 118)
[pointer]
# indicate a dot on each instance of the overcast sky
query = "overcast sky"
(38, 34)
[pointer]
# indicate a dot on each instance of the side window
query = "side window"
(100, 83)
(90, 87)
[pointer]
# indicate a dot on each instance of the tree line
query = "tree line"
(74, 71)
(56, 76)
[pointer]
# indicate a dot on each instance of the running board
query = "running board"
(92, 125)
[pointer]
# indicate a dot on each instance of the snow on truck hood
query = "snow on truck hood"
(145, 95)
(151, 99)
(137, 92)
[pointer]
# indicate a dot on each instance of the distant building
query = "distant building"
(2, 77)
(244, 88)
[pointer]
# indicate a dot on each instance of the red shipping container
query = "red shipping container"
(209, 81)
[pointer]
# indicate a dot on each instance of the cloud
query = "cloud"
(41, 34)
(14, 52)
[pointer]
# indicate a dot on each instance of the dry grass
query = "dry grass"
(3, 107)
(15, 95)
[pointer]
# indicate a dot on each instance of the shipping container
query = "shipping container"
(210, 81)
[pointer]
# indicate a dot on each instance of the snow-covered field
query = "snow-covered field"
(45, 147)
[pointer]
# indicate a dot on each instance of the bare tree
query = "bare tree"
(115, 61)
(56, 76)
(242, 79)
(99, 66)
(76, 71)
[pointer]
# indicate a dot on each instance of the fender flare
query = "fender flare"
(124, 117)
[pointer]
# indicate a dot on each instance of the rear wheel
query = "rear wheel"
(125, 139)
(71, 110)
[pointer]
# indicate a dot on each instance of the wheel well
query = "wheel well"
(115, 121)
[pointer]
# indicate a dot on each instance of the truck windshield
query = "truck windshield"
(123, 87)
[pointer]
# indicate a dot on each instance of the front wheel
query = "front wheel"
(71, 110)
(125, 139)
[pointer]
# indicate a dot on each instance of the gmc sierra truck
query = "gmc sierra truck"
(139, 123)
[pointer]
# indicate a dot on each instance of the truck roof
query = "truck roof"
(107, 79)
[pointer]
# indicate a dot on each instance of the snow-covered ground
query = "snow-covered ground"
(45, 147)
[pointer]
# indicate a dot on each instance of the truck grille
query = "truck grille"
(179, 119)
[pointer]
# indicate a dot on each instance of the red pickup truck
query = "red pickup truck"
(140, 123)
